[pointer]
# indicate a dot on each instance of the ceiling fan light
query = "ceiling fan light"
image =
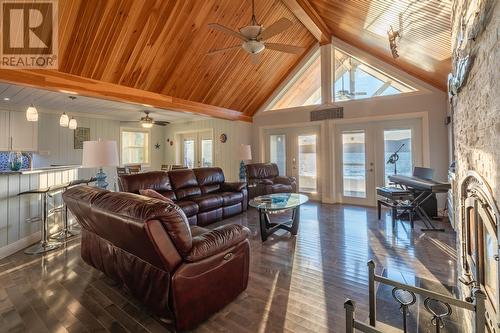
(145, 124)
(251, 31)
(64, 120)
(31, 113)
(253, 46)
(72, 123)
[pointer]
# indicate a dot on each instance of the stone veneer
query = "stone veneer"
(476, 115)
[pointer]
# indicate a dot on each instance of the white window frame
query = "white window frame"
(148, 148)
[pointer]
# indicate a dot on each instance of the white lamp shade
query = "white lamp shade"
(72, 124)
(98, 154)
(245, 152)
(64, 120)
(31, 114)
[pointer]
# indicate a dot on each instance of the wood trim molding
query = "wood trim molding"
(58, 81)
(306, 14)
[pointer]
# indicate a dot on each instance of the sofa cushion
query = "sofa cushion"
(209, 179)
(281, 188)
(188, 207)
(208, 202)
(153, 194)
(262, 170)
(231, 198)
(156, 180)
(182, 179)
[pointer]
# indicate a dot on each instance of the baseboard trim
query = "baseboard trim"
(19, 245)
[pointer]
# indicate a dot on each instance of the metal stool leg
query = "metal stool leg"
(66, 232)
(45, 245)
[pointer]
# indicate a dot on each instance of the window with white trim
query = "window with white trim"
(135, 146)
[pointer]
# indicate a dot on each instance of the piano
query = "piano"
(420, 184)
(421, 190)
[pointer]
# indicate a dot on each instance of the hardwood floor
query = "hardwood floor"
(297, 284)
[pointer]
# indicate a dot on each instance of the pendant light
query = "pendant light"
(72, 124)
(64, 120)
(31, 113)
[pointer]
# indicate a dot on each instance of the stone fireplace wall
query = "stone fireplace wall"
(476, 109)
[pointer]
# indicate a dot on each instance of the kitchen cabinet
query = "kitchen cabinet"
(16, 133)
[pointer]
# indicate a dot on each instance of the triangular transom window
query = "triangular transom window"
(355, 79)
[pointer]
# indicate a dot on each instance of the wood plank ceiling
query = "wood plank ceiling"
(424, 50)
(160, 46)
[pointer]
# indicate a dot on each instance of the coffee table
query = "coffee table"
(276, 203)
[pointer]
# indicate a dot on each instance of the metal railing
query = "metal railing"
(476, 306)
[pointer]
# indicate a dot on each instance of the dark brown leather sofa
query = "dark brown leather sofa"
(182, 273)
(265, 179)
(203, 194)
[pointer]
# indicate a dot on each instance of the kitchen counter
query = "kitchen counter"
(39, 170)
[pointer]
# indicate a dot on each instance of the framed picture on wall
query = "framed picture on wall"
(81, 134)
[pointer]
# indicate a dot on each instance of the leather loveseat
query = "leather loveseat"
(265, 179)
(202, 194)
(182, 273)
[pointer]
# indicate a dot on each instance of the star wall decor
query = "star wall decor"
(157, 145)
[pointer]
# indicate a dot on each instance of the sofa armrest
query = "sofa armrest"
(233, 187)
(216, 241)
(284, 180)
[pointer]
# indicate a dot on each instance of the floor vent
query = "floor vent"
(332, 113)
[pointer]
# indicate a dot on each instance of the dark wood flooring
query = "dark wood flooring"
(297, 284)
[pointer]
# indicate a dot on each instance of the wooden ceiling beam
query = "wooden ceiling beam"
(58, 81)
(306, 14)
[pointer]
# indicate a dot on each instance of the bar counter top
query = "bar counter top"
(38, 170)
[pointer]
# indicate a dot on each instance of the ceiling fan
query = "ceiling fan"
(344, 93)
(254, 37)
(148, 122)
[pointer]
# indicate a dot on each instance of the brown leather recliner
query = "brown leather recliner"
(202, 193)
(265, 179)
(182, 273)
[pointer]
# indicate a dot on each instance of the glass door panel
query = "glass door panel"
(307, 160)
(189, 149)
(206, 153)
(398, 141)
(277, 151)
(354, 164)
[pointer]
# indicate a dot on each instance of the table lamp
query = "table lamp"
(99, 154)
(245, 154)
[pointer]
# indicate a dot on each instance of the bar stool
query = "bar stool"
(45, 244)
(67, 231)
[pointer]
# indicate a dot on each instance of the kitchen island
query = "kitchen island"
(19, 226)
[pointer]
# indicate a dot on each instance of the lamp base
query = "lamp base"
(243, 172)
(101, 179)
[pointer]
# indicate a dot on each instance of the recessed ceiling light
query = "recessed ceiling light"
(68, 92)
(6, 99)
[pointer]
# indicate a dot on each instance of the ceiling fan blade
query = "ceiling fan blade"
(255, 57)
(223, 49)
(227, 30)
(277, 27)
(284, 48)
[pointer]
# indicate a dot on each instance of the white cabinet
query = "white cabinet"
(23, 133)
(16, 133)
(4, 131)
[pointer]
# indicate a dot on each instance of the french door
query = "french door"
(295, 151)
(197, 149)
(363, 156)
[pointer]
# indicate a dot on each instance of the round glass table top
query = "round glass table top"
(278, 201)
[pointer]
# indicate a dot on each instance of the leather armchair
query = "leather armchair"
(264, 178)
(182, 273)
